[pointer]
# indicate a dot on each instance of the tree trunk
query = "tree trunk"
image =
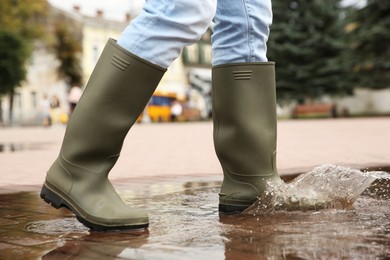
(1, 114)
(11, 107)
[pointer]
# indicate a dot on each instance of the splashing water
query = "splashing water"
(325, 187)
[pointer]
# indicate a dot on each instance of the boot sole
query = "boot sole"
(231, 209)
(57, 202)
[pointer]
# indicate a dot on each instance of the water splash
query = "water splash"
(325, 187)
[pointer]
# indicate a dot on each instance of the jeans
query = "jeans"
(165, 27)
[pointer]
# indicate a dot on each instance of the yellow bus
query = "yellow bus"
(159, 107)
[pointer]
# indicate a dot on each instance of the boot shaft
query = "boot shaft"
(244, 116)
(116, 94)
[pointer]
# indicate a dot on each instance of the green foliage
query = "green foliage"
(24, 17)
(369, 38)
(30, 20)
(306, 41)
(13, 55)
(21, 22)
(67, 49)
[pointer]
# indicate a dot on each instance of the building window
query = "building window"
(18, 101)
(95, 54)
(34, 100)
(191, 54)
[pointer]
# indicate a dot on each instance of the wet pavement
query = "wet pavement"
(152, 150)
(185, 224)
(171, 171)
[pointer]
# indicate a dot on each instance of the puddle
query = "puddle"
(185, 224)
(58, 226)
(17, 147)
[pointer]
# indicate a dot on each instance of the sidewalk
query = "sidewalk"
(169, 150)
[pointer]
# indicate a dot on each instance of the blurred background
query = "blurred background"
(332, 60)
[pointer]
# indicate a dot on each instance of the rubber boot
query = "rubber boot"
(116, 94)
(244, 116)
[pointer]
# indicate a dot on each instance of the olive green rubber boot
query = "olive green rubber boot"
(116, 94)
(244, 116)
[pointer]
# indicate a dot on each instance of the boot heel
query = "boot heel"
(51, 198)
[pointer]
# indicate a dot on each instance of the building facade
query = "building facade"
(42, 70)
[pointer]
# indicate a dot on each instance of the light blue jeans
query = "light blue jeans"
(165, 27)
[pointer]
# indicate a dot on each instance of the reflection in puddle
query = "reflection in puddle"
(101, 245)
(11, 147)
(325, 234)
(185, 224)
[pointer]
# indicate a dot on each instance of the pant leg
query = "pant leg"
(241, 31)
(164, 27)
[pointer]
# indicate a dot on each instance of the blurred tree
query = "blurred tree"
(68, 48)
(29, 19)
(13, 55)
(369, 36)
(306, 41)
(24, 17)
(24, 21)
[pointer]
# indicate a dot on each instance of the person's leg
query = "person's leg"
(116, 94)
(241, 31)
(164, 27)
(244, 102)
